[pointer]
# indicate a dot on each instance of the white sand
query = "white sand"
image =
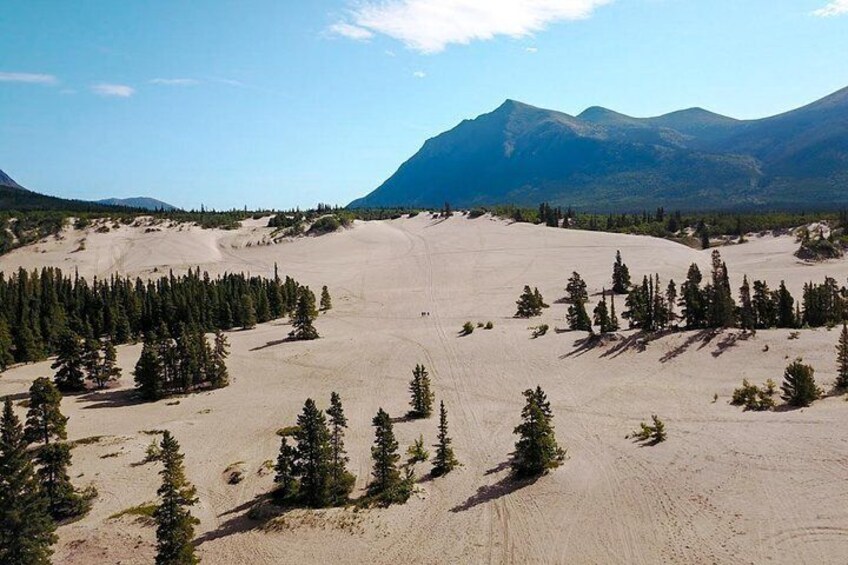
(727, 487)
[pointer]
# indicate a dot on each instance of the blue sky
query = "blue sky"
(286, 103)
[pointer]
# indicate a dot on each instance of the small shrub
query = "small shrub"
(467, 328)
(480, 324)
(489, 325)
(152, 452)
(540, 330)
(653, 433)
(288, 431)
(143, 513)
(417, 453)
(753, 397)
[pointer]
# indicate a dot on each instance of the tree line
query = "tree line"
(38, 308)
(652, 305)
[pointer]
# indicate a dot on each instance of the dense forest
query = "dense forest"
(37, 308)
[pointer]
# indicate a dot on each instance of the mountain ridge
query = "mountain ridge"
(605, 160)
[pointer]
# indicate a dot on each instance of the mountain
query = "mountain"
(604, 160)
(142, 202)
(15, 197)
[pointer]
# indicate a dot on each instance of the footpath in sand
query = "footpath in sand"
(726, 487)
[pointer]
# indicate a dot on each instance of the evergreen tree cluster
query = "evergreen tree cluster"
(180, 364)
(536, 451)
(530, 303)
(577, 296)
(38, 308)
(620, 275)
(314, 470)
(647, 307)
(421, 396)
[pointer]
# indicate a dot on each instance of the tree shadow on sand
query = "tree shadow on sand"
(251, 515)
(106, 398)
(273, 343)
(503, 487)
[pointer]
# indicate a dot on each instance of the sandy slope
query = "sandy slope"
(727, 487)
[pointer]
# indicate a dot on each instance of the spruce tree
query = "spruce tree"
(614, 325)
(26, 529)
(6, 345)
(44, 417)
(764, 304)
(842, 359)
(576, 289)
(384, 453)
(529, 304)
(149, 379)
(747, 315)
(444, 461)
(536, 450)
(109, 370)
(286, 474)
(174, 522)
(314, 455)
(248, 312)
(69, 363)
(799, 385)
(578, 318)
(63, 499)
(304, 315)
(620, 275)
(218, 375)
(91, 360)
(326, 301)
(786, 316)
(692, 299)
(341, 480)
(671, 300)
(422, 396)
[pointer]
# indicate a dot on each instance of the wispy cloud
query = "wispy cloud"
(175, 81)
(119, 90)
(834, 8)
(428, 26)
(419, 74)
(532, 49)
(31, 78)
(351, 31)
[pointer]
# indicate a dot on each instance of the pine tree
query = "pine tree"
(692, 299)
(529, 304)
(26, 529)
(386, 476)
(69, 363)
(445, 460)
(218, 375)
(576, 289)
(326, 301)
(304, 315)
(422, 396)
(109, 370)
(149, 380)
(842, 359)
(174, 522)
(786, 316)
(747, 316)
(248, 312)
(764, 304)
(536, 450)
(799, 385)
(671, 300)
(285, 478)
(63, 500)
(314, 455)
(614, 325)
(341, 481)
(601, 314)
(620, 275)
(44, 417)
(6, 357)
(91, 360)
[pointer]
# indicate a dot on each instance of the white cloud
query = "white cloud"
(119, 90)
(31, 78)
(419, 74)
(428, 26)
(351, 31)
(175, 81)
(834, 8)
(532, 49)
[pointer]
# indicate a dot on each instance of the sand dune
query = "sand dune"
(727, 487)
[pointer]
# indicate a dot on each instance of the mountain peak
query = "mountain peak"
(6, 180)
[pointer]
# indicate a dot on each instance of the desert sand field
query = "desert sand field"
(726, 487)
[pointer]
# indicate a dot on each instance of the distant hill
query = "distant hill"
(603, 160)
(15, 197)
(142, 202)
